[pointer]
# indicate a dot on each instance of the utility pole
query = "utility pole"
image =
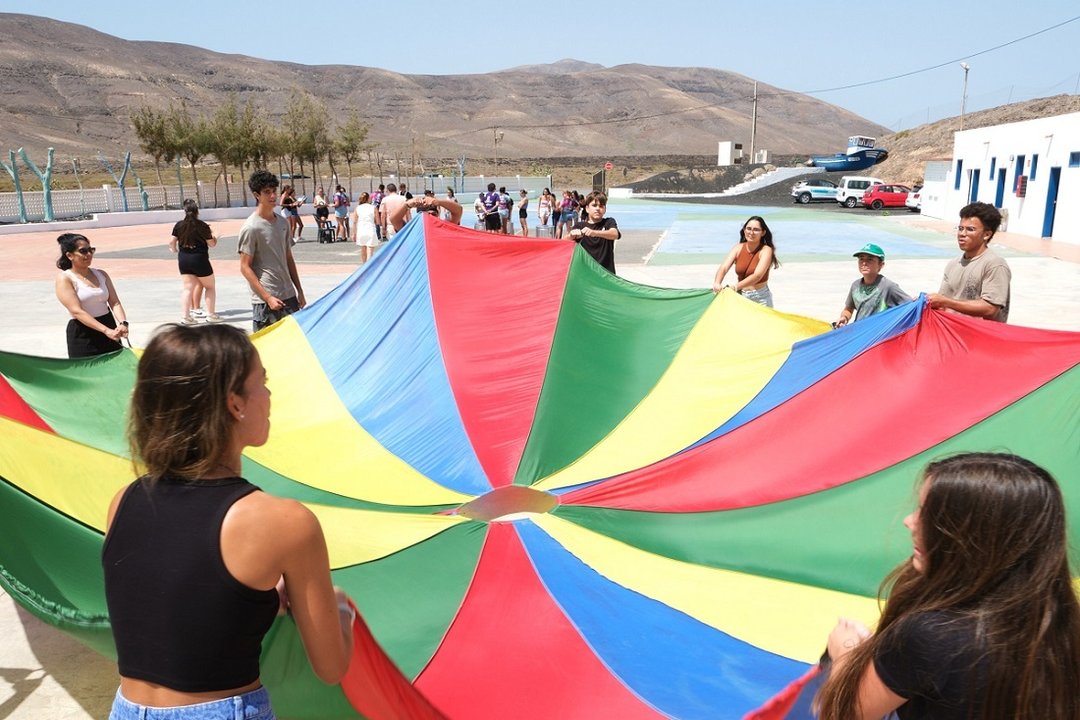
(963, 99)
(753, 124)
(498, 136)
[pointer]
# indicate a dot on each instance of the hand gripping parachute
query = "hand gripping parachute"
(554, 493)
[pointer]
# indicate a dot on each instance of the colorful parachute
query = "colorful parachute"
(554, 493)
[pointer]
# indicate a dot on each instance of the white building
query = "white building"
(1030, 170)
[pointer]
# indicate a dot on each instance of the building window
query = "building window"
(960, 166)
(1034, 166)
(993, 166)
(1074, 159)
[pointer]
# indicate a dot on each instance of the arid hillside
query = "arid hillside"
(80, 101)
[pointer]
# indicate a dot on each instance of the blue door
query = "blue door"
(974, 197)
(1019, 170)
(1000, 196)
(1051, 202)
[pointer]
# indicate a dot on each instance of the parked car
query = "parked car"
(851, 188)
(815, 190)
(882, 196)
(914, 199)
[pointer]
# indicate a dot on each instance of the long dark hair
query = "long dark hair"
(179, 424)
(68, 243)
(994, 541)
(187, 229)
(766, 237)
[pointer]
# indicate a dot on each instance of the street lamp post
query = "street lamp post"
(963, 99)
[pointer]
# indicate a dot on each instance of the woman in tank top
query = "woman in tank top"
(98, 321)
(752, 258)
(543, 206)
(198, 562)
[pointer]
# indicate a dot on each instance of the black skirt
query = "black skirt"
(87, 342)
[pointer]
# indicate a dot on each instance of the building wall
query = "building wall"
(987, 161)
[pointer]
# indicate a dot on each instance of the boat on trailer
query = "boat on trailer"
(860, 155)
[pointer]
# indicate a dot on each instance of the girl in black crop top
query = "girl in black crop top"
(198, 562)
(982, 622)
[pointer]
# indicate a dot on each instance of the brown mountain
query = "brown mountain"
(80, 100)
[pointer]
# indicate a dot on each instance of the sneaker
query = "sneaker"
(214, 318)
(198, 312)
(187, 320)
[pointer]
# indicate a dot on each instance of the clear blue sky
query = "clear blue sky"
(802, 46)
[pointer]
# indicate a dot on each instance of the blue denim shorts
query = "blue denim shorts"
(254, 705)
(762, 296)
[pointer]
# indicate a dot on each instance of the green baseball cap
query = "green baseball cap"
(870, 249)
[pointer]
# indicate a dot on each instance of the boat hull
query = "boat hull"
(841, 162)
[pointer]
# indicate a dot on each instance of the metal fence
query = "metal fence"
(73, 204)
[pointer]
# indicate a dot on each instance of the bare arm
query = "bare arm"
(294, 275)
(718, 280)
(609, 234)
(453, 207)
(327, 633)
(173, 241)
(400, 215)
(269, 542)
(117, 309)
(976, 308)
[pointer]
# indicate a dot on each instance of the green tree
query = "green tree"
(226, 142)
(350, 142)
(152, 129)
(306, 122)
(191, 136)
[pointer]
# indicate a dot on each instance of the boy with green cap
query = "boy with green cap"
(873, 292)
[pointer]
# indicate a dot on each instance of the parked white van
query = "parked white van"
(851, 188)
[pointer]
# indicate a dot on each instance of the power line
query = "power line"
(777, 93)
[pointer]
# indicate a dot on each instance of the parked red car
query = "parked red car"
(880, 196)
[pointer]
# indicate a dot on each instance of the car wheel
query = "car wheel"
(804, 198)
(850, 202)
(877, 205)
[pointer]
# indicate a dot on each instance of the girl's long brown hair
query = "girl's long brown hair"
(179, 424)
(996, 552)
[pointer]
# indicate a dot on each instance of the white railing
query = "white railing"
(74, 204)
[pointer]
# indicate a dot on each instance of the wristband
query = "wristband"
(124, 323)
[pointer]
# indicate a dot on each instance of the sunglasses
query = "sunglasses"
(86, 250)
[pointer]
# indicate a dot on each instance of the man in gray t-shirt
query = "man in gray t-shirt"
(978, 282)
(266, 259)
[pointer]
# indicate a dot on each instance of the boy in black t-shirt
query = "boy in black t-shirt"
(597, 234)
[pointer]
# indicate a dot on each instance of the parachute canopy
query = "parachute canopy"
(555, 493)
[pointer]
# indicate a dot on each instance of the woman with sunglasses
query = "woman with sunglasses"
(752, 257)
(98, 321)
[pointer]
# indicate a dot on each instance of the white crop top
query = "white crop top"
(94, 300)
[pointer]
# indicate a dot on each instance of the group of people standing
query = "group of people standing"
(976, 284)
(988, 580)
